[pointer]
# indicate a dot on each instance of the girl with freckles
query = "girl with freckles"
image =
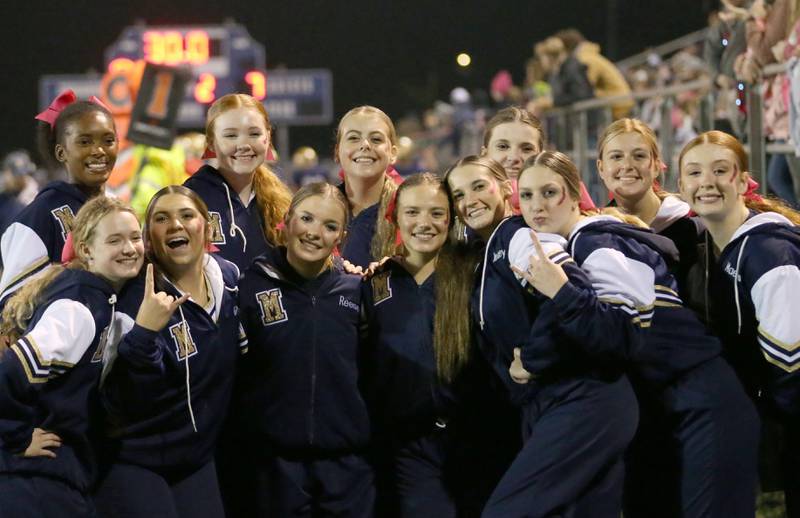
(753, 280)
(578, 415)
(300, 383)
(634, 317)
(245, 199)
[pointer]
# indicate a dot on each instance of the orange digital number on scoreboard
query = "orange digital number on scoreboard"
(174, 48)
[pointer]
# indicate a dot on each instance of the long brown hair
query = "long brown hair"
(382, 243)
(20, 307)
(720, 138)
(272, 195)
(455, 271)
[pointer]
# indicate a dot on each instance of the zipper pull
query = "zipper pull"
(313, 300)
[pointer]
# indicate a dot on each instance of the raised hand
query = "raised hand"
(156, 308)
(41, 440)
(517, 371)
(543, 274)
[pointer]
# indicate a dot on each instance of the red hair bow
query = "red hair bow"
(586, 202)
(750, 193)
(50, 114)
(68, 252)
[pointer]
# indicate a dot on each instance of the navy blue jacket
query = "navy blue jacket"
(49, 377)
(636, 314)
(36, 236)
(402, 387)
(301, 376)
(241, 239)
(145, 391)
(756, 292)
(508, 314)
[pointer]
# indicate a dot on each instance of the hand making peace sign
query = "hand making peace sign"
(543, 274)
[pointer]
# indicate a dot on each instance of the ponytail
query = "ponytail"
(383, 241)
(273, 199)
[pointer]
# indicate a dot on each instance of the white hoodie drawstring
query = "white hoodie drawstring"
(736, 286)
(234, 226)
(188, 383)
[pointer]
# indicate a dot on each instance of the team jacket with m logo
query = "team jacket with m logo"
(301, 376)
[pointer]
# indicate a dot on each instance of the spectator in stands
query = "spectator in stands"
(306, 168)
(603, 75)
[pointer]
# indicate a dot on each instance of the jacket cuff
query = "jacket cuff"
(139, 347)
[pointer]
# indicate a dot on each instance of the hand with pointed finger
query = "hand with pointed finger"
(517, 371)
(156, 308)
(41, 442)
(543, 274)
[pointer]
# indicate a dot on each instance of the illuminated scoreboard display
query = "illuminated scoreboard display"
(221, 59)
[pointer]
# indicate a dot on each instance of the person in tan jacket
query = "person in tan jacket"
(605, 77)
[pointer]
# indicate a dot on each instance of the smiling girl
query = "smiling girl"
(300, 391)
(635, 316)
(245, 200)
(512, 136)
(58, 326)
(79, 136)
(574, 474)
(169, 386)
(366, 148)
(754, 281)
(629, 163)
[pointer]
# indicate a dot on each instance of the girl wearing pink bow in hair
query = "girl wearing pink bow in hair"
(80, 137)
(753, 281)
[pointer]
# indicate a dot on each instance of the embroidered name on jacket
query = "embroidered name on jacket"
(500, 254)
(184, 343)
(65, 219)
(270, 304)
(347, 303)
(730, 270)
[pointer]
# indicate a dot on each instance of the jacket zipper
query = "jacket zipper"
(313, 369)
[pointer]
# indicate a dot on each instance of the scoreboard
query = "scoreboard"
(220, 59)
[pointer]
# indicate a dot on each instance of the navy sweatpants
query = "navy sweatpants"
(342, 486)
(23, 496)
(707, 464)
(419, 478)
(133, 492)
(571, 464)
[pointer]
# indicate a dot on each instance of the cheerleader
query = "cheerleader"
(366, 149)
(578, 473)
(57, 326)
(245, 200)
(80, 136)
(300, 389)
(753, 283)
(638, 317)
(629, 163)
(512, 136)
(168, 389)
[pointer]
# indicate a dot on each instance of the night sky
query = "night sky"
(398, 55)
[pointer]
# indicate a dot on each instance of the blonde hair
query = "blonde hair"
(323, 190)
(272, 195)
(20, 307)
(382, 243)
(720, 138)
(628, 125)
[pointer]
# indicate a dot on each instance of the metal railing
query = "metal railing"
(569, 127)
